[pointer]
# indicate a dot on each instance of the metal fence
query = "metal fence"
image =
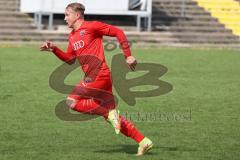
(183, 8)
(17, 3)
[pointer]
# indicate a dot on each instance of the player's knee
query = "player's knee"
(71, 103)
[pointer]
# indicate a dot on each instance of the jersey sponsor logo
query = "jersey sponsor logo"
(78, 45)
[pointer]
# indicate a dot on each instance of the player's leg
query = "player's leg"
(85, 105)
(95, 98)
(129, 130)
(91, 106)
(102, 93)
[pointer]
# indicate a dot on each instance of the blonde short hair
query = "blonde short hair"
(77, 7)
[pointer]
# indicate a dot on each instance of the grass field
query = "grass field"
(206, 89)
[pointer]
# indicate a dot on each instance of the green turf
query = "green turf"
(205, 97)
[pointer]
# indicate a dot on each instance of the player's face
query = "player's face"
(71, 17)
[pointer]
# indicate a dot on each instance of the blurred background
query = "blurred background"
(157, 22)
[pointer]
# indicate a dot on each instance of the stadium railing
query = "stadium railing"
(93, 7)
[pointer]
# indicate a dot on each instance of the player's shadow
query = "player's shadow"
(132, 149)
(129, 149)
(179, 148)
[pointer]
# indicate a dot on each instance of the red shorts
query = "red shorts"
(91, 95)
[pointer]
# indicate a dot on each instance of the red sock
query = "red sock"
(129, 130)
(92, 107)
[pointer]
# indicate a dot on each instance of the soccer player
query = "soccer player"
(85, 45)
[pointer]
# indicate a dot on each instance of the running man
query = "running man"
(86, 46)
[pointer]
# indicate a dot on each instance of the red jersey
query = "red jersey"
(86, 45)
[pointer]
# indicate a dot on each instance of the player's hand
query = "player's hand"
(47, 46)
(132, 62)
